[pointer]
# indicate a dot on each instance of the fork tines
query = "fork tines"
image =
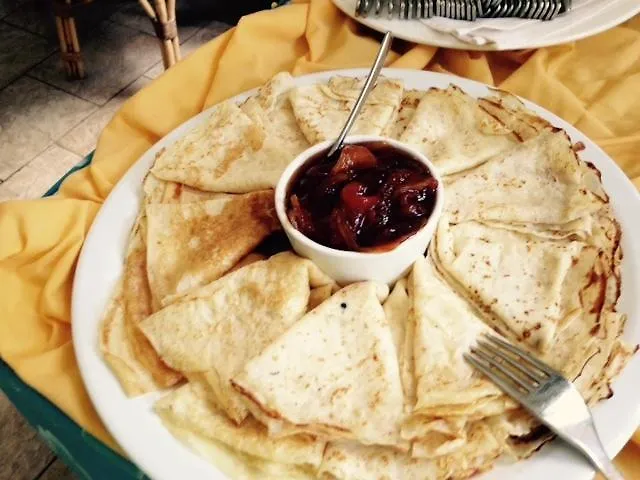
(464, 9)
(511, 368)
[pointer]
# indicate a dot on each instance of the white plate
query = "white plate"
(141, 434)
(543, 34)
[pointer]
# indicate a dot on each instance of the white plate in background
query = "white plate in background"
(565, 28)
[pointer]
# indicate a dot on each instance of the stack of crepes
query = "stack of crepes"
(277, 372)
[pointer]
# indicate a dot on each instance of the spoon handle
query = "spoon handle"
(366, 89)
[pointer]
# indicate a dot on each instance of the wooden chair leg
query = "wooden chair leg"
(163, 18)
(68, 38)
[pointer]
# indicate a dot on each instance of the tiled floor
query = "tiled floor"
(47, 124)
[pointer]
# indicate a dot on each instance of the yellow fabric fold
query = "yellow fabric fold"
(593, 83)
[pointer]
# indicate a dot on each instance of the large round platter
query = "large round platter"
(567, 28)
(142, 435)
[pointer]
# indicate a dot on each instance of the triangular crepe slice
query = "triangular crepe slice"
(218, 329)
(596, 375)
(209, 380)
(606, 235)
(620, 355)
(271, 109)
(584, 344)
(191, 244)
(322, 109)
(187, 407)
(349, 460)
(163, 191)
(333, 373)
(227, 153)
(525, 287)
(118, 352)
(124, 345)
(397, 309)
(539, 182)
(404, 115)
(446, 327)
(451, 129)
(511, 112)
(136, 295)
(138, 306)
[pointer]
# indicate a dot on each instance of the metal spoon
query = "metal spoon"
(366, 89)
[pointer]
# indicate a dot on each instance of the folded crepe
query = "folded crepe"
(118, 353)
(156, 190)
(214, 331)
(333, 373)
(138, 306)
(191, 244)
(451, 129)
(446, 327)
(237, 149)
(188, 407)
(322, 109)
(397, 310)
(525, 287)
(513, 114)
(539, 186)
(125, 348)
(450, 394)
(271, 109)
(594, 379)
(404, 115)
(589, 348)
(347, 460)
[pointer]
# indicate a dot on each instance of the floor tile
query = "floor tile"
(39, 174)
(202, 36)
(58, 471)
(82, 139)
(22, 452)
(132, 15)
(32, 116)
(19, 51)
(115, 56)
(37, 17)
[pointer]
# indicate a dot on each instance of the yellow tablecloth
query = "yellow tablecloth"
(594, 84)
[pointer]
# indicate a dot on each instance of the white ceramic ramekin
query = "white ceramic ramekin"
(345, 266)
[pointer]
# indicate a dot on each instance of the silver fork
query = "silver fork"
(546, 394)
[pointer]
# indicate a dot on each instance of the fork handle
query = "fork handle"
(588, 442)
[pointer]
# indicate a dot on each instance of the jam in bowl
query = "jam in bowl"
(369, 197)
(366, 213)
